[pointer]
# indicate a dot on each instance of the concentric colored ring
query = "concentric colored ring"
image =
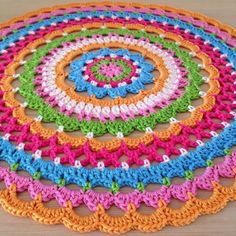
(121, 111)
(133, 82)
(129, 126)
(70, 35)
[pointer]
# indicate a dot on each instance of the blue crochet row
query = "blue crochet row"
(145, 77)
(131, 177)
(216, 42)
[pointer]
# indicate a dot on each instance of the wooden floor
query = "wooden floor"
(223, 223)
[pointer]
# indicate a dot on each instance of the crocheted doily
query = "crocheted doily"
(116, 95)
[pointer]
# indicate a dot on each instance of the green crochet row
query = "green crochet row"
(27, 89)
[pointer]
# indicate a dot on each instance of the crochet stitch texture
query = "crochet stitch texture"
(109, 70)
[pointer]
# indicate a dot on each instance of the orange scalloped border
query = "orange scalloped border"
(131, 220)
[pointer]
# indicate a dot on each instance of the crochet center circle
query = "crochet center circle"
(110, 72)
(116, 95)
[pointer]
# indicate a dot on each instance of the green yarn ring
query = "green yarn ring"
(98, 128)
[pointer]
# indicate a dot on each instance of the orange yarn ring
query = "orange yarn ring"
(131, 220)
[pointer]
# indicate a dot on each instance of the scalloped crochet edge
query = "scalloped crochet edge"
(131, 220)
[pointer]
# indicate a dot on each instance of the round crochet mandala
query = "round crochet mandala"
(156, 83)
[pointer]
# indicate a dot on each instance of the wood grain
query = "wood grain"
(222, 223)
